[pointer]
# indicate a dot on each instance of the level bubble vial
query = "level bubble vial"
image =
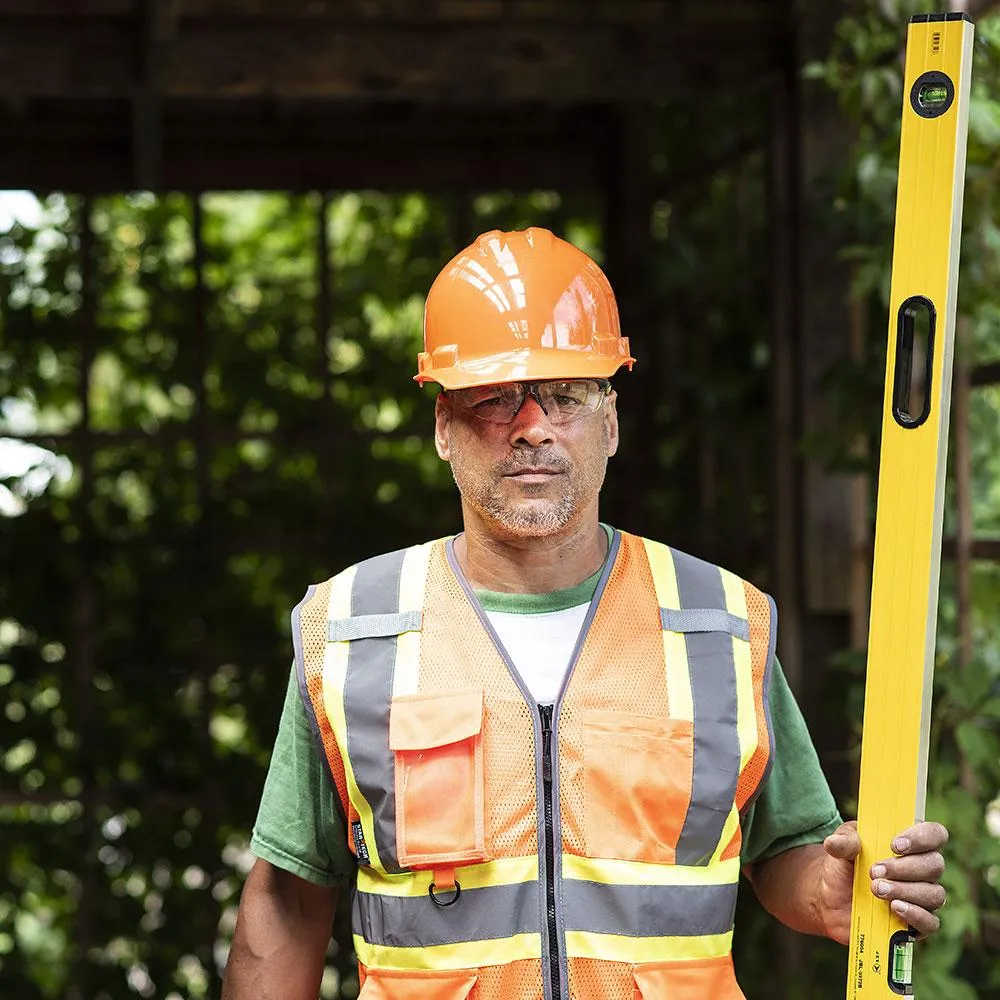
(932, 95)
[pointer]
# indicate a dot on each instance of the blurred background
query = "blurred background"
(219, 221)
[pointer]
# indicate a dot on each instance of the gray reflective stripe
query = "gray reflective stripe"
(496, 911)
(704, 620)
(374, 626)
(716, 737)
(649, 910)
(368, 695)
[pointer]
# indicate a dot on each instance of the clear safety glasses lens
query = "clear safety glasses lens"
(562, 400)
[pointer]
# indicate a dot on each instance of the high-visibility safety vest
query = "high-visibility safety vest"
(507, 851)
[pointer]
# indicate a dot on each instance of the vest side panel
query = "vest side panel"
(618, 682)
(309, 637)
(456, 651)
(762, 616)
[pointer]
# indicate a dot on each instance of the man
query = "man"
(544, 748)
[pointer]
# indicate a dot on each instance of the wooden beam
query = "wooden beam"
(91, 10)
(88, 147)
(344, 11)
(471, 64)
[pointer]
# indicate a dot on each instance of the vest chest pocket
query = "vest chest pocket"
(437, 741)
(638, 773)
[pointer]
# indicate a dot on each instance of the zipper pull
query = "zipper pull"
(545, 711)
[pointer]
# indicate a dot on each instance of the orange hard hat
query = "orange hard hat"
(518, 306)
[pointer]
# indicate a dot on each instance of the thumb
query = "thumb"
(844, 843)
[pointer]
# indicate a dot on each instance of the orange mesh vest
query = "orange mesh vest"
(583, 851)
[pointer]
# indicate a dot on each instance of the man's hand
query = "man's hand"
(910, 879)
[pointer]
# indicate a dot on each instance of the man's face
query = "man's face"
(529, 477)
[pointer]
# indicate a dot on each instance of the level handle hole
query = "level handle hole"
(911, 396)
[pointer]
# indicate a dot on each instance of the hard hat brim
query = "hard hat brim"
(525, 365)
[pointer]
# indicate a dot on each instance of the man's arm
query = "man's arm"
(282, 933)
(783, 885)
(809, 888)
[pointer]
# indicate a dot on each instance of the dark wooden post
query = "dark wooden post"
(84, 624)
(786, 420)
(155, 27)
(627, 207)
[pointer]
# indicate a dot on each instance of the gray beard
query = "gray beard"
(531, 520)
(521, 520)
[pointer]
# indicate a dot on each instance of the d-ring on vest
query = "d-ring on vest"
(596, 845)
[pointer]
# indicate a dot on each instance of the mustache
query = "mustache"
(518, 461)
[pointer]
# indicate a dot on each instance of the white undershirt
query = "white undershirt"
(540, 645)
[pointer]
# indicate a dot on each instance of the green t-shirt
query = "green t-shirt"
(299, 829)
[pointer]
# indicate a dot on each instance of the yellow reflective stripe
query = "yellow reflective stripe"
(334, 676)
(465, 955)
(616, 948)
(728, 832)
(746, 706)
(412, 579)
(679, 699)
(503, 871)
(615, 872)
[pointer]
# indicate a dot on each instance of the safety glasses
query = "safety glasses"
(561, 400)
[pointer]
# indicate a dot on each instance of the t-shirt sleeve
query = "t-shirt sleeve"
(795, 806)
(298, 826)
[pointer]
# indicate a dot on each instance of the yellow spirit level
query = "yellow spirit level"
(911, 483)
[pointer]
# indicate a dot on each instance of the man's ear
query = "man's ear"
(442, 424)
(610, 411)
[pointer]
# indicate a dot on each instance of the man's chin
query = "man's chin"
(532, 519)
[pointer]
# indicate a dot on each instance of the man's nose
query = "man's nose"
(530, 425)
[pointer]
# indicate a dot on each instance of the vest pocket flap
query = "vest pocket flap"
(704, 620)
(423, 721)
(694, 979)
(386, 984)
(601, 720)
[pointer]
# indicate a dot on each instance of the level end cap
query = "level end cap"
(926, 18)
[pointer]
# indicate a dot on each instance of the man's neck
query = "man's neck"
(512, 565)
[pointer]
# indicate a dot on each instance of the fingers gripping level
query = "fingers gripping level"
(911, 484)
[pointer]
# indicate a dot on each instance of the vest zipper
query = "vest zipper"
(545, 712)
